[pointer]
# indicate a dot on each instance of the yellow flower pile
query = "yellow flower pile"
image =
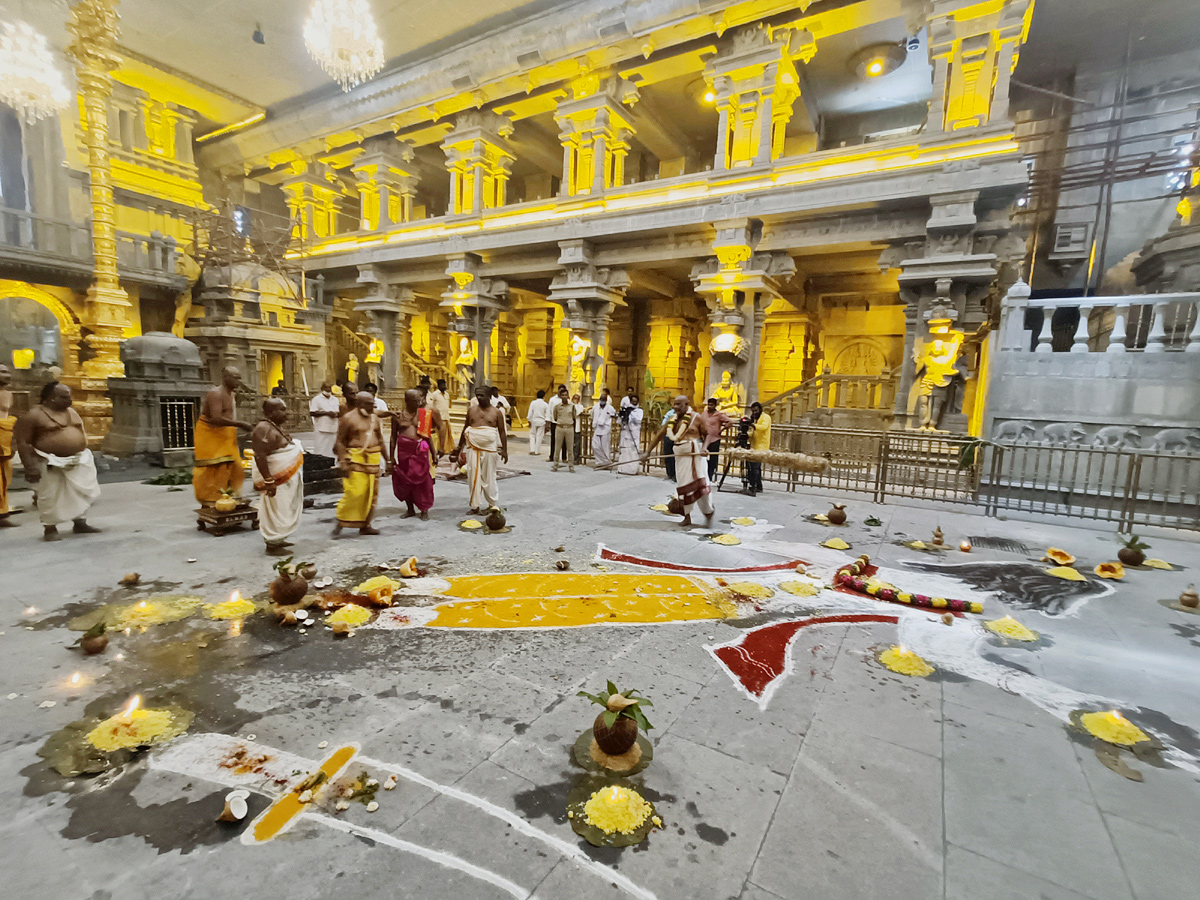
(1010, 628)
(835, 544)
(351, 614)
(1114, 728)
(905, 662)
(751, 589)
(156, 611)
(230, 609)
(800, 588)
(742, 520)
(727, 540)
(617, 809)
(471, 523)
(138, 728)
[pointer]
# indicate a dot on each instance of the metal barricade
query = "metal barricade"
(177, 420)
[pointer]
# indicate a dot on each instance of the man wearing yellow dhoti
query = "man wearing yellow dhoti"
(218, 465)
(358, 448)
(278, 477)
(7, 422)
(54, 451)
(486, 443)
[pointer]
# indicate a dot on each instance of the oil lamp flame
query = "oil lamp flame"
(30, 610)
(75, 679)
(965, 546)
(134, 702)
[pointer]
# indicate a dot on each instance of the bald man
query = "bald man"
(688, 430)
(278, 477)
(218, 465)
(358, 448)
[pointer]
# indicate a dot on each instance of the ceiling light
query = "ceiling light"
(709, 97)
(30, 81)
(341, 36)
(877, 60)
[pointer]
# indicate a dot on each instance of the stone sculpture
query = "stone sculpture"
(1063, 434)
(1177, 439)
(1016, 430)
(1117, 437)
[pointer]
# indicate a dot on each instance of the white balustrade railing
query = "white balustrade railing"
(1141, 323)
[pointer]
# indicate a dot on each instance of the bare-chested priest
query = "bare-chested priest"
(7, 423)
(53, 448)
(486, 445)
(358, 448)
(688, 430)
(218, 465)
(278, 476)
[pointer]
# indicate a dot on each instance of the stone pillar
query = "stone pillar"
(673, 348)
(312, 194)
(94, 29)
(738, 284)
(386, 183)
(595, 129)
(756, 85)
(474, 303)
(973, 48)
(588, 295)
(383, 312)
(479, 161)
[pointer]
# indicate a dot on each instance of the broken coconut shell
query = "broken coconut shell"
(235, 806)
(131, 579)
(562, 565)
(1189, 597)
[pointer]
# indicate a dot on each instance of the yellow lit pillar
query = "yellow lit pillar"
(386, 184)
(974, 47)
(94, 30)
(312, 197)
(479, 161)
(595, 129)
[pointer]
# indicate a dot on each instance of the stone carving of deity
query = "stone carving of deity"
(464, 367)
(728, 395)
(939, 378)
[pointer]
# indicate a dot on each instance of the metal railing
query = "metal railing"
(177, 420)
(835, 392)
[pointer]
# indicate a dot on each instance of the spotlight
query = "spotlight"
(258, 36)
(875, 68)
(877, 60)
(709, 97)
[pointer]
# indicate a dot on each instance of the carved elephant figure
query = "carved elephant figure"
(1063, 434)
(1117, 437)
(1178, 439)
(1016, 430)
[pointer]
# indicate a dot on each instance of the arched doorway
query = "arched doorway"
(39, 335)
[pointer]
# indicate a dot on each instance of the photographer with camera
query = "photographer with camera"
(759, 439)
(628, 450)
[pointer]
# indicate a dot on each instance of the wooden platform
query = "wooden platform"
(215, 522)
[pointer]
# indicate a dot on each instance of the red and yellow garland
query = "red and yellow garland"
(850, 576)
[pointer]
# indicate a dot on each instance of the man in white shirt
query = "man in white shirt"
(539, 412)
(551, 407)
(627, 400)
(580, 409)
(324, 409)
(602, 419)
(380, 405)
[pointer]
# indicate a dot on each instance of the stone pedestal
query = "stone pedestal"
(156, 404)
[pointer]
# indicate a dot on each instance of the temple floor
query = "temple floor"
(789, 761)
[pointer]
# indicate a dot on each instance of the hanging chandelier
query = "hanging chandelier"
(341, 36)
(30, 80)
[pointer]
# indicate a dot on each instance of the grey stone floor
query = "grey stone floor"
(852, 783)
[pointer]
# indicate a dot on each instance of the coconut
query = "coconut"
(235, 806)
(836, 514)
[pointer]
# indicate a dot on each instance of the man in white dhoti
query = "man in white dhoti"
(602, 419)
(52, 444)
(278, 477)
(486, 445)
(691, 461)
(628, 450)
(324, 410)
(539, 412)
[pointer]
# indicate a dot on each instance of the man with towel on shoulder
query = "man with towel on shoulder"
(278, 477)
(486, 443)
(218, 465)
(53, 448)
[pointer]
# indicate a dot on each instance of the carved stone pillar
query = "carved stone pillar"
(595, 129)
(755, 84)
(474, 303)
(386, 183)
(738, 285)
(588, 295)
(94, 29)
(312, 194)
(673, 347)
(383, 312)
(479, 161)
(973, 48)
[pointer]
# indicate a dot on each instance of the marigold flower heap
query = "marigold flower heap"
(851, 577)
(617, 809)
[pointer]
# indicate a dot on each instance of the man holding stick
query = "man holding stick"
(688, 430)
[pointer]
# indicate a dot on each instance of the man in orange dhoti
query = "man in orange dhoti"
(218, 465)
(7, 422)
(358, 448)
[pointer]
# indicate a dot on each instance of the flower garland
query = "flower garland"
(850, 576)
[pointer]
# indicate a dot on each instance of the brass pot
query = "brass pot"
(225, 504)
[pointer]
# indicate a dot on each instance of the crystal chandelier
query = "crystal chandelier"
(341, 36)
(30, 81)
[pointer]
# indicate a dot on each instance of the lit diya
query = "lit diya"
(135, 727)
(903, 661)
(610, 813)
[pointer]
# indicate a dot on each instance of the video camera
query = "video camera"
(623, 414)
(743, 435)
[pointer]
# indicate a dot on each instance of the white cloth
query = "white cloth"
(67, 488)
(279, 516)
(325, 424)
(482, 451)
(691, 465)
(629, 451)
(439, 402)
(602, 417)
(602, 447)
(380, 406)
(323, 442)
(539, 412)
(579, 411)
(625, 401)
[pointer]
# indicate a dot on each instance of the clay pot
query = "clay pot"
(1131, 557)
(93, 644)
(225, 504)
(836, 514)
(1189, 597)
(616, 740)
(495, 520)
(675, 506)
(288, 590)
(308, 572)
